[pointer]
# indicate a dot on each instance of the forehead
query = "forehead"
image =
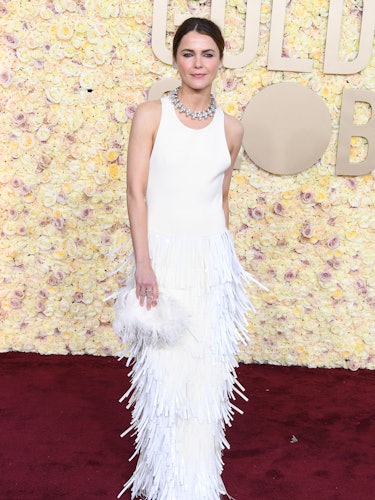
(197, 41)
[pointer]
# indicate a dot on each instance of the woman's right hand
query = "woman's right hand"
(146, 285)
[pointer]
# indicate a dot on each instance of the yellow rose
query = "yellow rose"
(107, 196)
(92, 36)
(9, 228)
(64, 32)
(104, 46)
(75, 120)
(46, 196)
(71, 248)
(84, 135)
(114, 171)
(112, 154)
(23, 54)
(43, 134)
(43, 243)
(54, 95)
(86, 80)
(46, 13)
(27, 141)
(69, 51)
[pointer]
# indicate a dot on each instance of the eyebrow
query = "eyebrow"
(192, 50)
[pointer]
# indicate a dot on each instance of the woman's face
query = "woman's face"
(197, 60)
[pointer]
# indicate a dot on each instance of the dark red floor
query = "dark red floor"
(307, 434)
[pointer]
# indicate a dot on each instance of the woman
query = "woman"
(180, 159)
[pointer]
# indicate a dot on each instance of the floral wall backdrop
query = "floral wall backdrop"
(71, 76)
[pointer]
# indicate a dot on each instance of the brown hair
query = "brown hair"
(200, 25)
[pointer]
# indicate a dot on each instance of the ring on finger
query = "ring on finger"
(149, 292)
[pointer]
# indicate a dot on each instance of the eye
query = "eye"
(209, 55)
(187, 54)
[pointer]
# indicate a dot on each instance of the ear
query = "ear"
(174, 65)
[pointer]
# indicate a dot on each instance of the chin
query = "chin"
(200, 85)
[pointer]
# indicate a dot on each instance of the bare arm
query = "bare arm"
(234, 135)
(144, 126)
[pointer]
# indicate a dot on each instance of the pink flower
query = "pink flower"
(57, 277)
(11, 40)
(59, 223)
(325, 275)
(256, 213)
(25, 190)
(61, 198)
(40, 306)
(70, 138)
(39, 63)
(352, 183)
(353, 365)
(307, 230)
(52, 281)
(333, 242)
(229, 85)
(13, 213)
(258, 255)
(278, 208)
(271, 272)
(15, 303)
(78, 296)
(85, 213)
(60, 275)
(6, 77)
(308, 197)
(19, 118)
(262, 200)
(106, 239)
(3, 9)
(331, 221)
(16, 183)
(290, 275)
(334, 263)
(361, 286)
(130, 110)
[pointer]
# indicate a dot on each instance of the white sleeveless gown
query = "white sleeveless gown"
(182, 395)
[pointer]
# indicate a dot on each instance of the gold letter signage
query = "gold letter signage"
(287, 126)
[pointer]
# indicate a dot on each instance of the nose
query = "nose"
(198, 61)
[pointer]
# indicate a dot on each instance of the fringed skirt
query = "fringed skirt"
(183, 396)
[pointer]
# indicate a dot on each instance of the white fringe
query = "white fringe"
(183, 395)
(159, 326)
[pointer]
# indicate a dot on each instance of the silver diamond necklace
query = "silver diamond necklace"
(200, 115)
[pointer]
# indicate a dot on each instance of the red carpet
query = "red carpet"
(60, 426)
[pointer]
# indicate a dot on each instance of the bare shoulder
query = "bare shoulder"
(148, 115)
(146, 119)
(233, 130)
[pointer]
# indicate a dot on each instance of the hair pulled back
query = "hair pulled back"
(202, 26)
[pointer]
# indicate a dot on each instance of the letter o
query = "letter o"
(287, 128)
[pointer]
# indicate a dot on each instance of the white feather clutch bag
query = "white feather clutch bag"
(162, 325)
